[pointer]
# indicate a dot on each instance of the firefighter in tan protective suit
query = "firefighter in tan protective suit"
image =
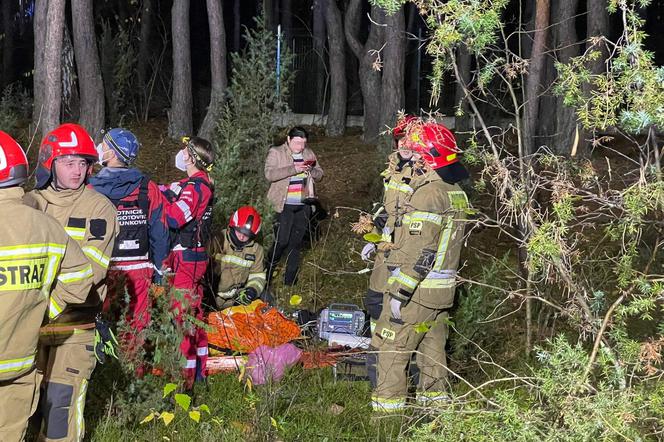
(241, 260)
(396, 179)
(41, 271)
(423, 262)
(67, 346)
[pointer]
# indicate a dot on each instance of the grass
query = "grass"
(305, 405)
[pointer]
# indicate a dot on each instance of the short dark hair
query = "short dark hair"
(298, 131)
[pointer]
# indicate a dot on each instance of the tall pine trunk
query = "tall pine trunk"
(88, 68)
(319, 9)
(394, 54)
(534, 78)
(566, 47)
(39, 78)
(144, 47)
(336, 116)
(180, 118)
(217, 67)
(236, 25)
(55, 19)
(8, 43)
(370, 78)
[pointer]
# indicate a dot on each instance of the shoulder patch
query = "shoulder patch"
(97, 229)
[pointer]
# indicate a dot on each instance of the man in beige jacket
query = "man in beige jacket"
(42, 270)
(291, 170)
(67, 346)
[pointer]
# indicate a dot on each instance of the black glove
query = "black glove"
(380, 221)
(105, 341)
(247, 295)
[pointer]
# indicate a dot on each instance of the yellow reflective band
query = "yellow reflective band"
(30, 250)
(257, 275)
(76, 276)
(77, 233)
(425, 216)
(387, 405)
(458, 199)
(231, 259)
(54, 309)
(96, 255)
(451, 157)
(442, 245)
(399, 187)
(16, 364)
(22, 274)
(80, 403)
(437, 283)
(406, 280)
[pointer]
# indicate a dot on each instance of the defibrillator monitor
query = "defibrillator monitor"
(341, 318)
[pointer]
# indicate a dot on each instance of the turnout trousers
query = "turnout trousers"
(66, 359)
(19, 401)
(422, 330)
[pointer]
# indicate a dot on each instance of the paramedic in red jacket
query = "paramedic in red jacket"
(189, 216)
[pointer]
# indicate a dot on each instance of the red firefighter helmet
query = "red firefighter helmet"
(402, 126)
(67, 139)
(435, 143)
(247, 221)
(13, 162)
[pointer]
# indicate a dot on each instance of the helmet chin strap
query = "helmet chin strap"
(235, 240)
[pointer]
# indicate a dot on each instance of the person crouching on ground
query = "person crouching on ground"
(241, 260)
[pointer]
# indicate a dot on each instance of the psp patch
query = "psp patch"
(250, 257)
(415, 227)
(388, 334)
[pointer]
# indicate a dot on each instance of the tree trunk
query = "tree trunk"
(462, 122)
(336, 116)
(39, 26)
(370, 80)
(394, 55)
(55, 19)
(534, 78)
(144, 47)
(268, 13)
(319, 31)
(598, 24)
(236, 26)
(180, 118)
(87, 65)
(287, 19)
(217, 67)
(8, 43)
(565, 40)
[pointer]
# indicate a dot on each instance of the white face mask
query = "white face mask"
(100, 154)
(180, 162)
